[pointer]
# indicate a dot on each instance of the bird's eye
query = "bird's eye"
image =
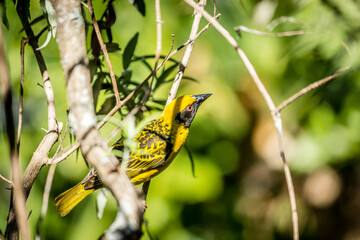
(189, 108)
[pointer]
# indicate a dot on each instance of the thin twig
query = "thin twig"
(68, 152)
(214, 3)
(63, 137)
(157, 55)
(188, 51)
(267, 34)
(18, 197)
(310, 87)
(283, 19)
(6, 180)
(40, 155)
(159, 23)
(275, 115)
(49, 181)
(24, 41)
(103, 48)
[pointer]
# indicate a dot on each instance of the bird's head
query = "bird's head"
(183, 109)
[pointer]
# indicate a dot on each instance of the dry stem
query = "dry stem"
(17, 195)
(267, 34)
(103, 48)
(310, 87)
(40, 155)
(188, 51)
(275, 115)
(7, 180)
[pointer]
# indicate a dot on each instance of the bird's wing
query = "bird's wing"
(147, 161)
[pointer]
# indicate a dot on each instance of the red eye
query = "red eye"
(189, 108)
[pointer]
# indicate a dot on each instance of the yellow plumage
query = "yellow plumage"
(158, 144)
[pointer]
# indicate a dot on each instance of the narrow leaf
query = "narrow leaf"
(3, 15)
(109, 35)
(139, 5)
(191, 160)
(95, 45)
(164, 75)
(107, 106)
(112, 47)
(96, 89)
(110, 16)
(129, 51)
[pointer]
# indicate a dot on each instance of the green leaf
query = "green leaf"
(139, 5)
(184, 78)
(3, 14)
(109, 35)
(129, 51)
(141, 58)
(161, 102)
(164, 75)
(93, 67)
(107, 106)
(190, 78)
(95, 45)
(191, 160)
(97, 86)
(112, 47)
(110, 16)
(126, 76)
(36, 20)
(147, 65)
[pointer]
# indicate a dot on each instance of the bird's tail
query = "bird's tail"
(67, 200)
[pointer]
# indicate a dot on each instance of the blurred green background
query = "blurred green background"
(239, 191)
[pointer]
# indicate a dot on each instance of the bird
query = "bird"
(158, 143)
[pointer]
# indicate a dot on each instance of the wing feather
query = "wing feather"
(152, 154)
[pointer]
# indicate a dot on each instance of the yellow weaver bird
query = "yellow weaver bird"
(157, 146)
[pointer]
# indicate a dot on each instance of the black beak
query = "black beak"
(200, 98)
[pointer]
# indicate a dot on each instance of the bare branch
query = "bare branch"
(188, 51)
(24, 41)
(103, 48)
(40, 155)
(310, 87)
(6, 180)
(267, 34)
(275, 115)
(159, 22)
(18, 197)
(48, 183)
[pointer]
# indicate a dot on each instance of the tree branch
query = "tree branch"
(17, 195)
(24, 41)
(267, 34)
(310, 87)
(82, 118)
(103, 48)
(188, 51)
(275, 114)
(39, 157)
